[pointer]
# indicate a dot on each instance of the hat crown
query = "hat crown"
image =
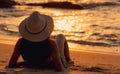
(35, 23)
(37, 27)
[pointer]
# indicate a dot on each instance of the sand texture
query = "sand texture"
(85, 63)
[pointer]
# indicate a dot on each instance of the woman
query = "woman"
(36, 46)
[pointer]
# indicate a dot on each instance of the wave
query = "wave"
(94, 5)
(6, 31)
(91, 43)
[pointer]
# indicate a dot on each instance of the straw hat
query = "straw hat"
(37, 27)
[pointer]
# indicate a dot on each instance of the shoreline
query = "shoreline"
(10, 40)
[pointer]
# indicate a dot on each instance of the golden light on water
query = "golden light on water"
(65, 24)
(68, 22)
(87, 25)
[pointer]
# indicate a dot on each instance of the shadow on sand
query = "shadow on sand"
(51, 71)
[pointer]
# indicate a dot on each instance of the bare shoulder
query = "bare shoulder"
(52, 41)
(19, 40)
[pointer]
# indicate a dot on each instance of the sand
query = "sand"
(85, 63)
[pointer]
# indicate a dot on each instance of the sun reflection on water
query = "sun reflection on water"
(71, 23)
(65, 24)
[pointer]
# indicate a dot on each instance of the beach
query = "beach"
(93, 35)
(85, 62)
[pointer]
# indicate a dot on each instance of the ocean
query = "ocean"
(94, 28)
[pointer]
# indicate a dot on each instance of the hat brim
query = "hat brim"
(39, 36)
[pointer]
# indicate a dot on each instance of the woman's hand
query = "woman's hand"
(17, 65)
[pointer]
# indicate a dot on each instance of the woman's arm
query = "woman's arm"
(56, 56)
(15, 55)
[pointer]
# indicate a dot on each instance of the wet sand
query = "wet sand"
(85, 63)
